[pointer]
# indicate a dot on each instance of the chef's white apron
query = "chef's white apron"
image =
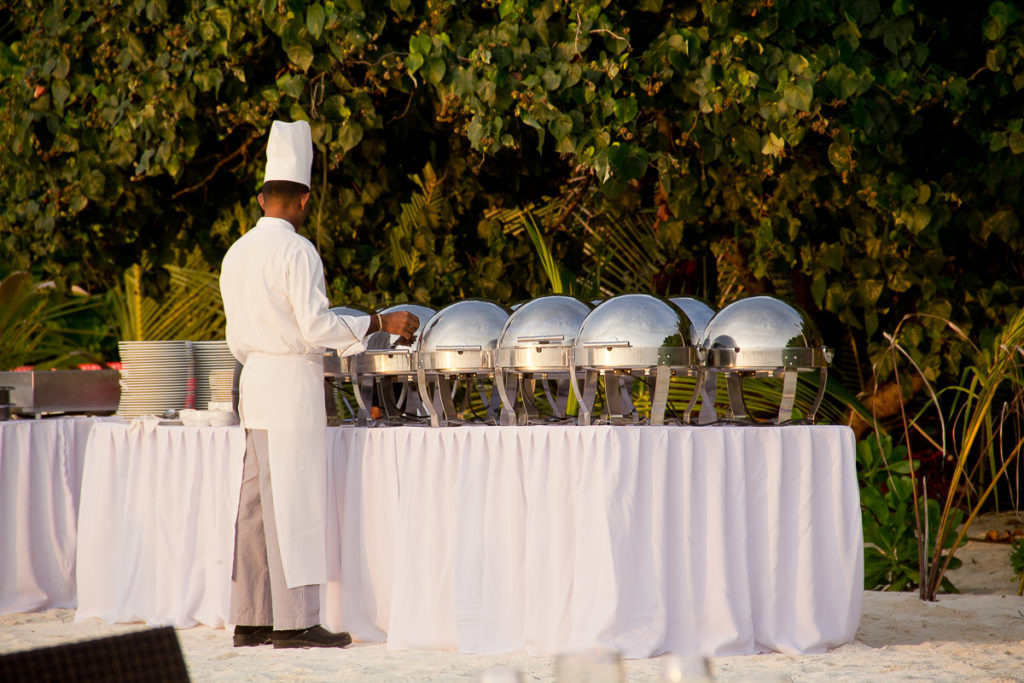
(285, 395)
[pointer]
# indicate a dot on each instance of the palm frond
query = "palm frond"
(191, 309)
(31, 332)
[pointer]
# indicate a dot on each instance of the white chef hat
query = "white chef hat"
(289, 152)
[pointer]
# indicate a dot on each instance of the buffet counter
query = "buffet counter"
(484, 539)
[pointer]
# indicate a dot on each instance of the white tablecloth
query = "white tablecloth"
(40, 478)
(483, 539)
(156, 523)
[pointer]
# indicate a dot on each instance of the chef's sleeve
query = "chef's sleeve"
(319, 326)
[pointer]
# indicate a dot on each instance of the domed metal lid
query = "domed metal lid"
(763, 332)
(540, 334)
(633, 321)
(637, 319)
(472, 323)
(546, 320)
(465, 328)
(699, 313)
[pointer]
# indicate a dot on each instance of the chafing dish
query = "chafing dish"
(536, 345)
(458, 344)
(390, 370)
(633, 335)
(61, 391)
(762, 336)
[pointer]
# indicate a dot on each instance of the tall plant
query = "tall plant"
(993, 381)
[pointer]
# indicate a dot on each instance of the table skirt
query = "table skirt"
(717, 540)
(40, 478)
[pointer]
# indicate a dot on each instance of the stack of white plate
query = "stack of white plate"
(220, 384)
(156, 376)
(212, 357)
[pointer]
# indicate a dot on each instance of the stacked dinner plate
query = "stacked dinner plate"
(212, 357)
(156, 376)
(220, 383)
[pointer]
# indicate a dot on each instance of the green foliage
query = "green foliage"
(861, 159)
(892, 557)
(32, 318)
(192, 308)
(1017, 563)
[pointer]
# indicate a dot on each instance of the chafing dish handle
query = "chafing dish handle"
(608, 344)
(459, 348)
(541, 338)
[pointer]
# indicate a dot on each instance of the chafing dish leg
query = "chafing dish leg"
(708, 394)
(445, 390)
(428, 402)
(584, 413)
(789, 377)
(618, 390)
(528, 389)
(822, 377)
(659, 394)
(508, 402)
(737, 408)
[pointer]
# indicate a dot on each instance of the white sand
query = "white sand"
(977, 635)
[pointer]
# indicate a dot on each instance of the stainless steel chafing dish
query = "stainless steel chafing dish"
(458, 344)
(390, 370)
(634, 335)
(536, 344)
(764, 337)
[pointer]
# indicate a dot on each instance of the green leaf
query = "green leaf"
(772, 145)
(475, 131)
(414, 62)
(436, 70)
(1016, 142)
(208, 79)
(315, 19)
(551, 80)
(63, 67)
(60, 92)
(301, 54)
(625, 109)
(420, 44)
(799, 95)
(334, 107)
(292, 85)
(628, 161)
(350, 135)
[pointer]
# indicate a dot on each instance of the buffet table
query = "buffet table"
(484, 539)
(40, 479)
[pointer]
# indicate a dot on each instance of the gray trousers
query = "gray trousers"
(259, 594)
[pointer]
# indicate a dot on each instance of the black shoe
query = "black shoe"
(314, 636)
(248, 636)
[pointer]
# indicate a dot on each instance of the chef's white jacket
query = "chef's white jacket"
(278, 326)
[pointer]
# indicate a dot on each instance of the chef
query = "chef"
(278, 326)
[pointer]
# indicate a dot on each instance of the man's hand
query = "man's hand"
(402, 323)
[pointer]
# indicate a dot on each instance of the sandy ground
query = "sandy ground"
(977, 635)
